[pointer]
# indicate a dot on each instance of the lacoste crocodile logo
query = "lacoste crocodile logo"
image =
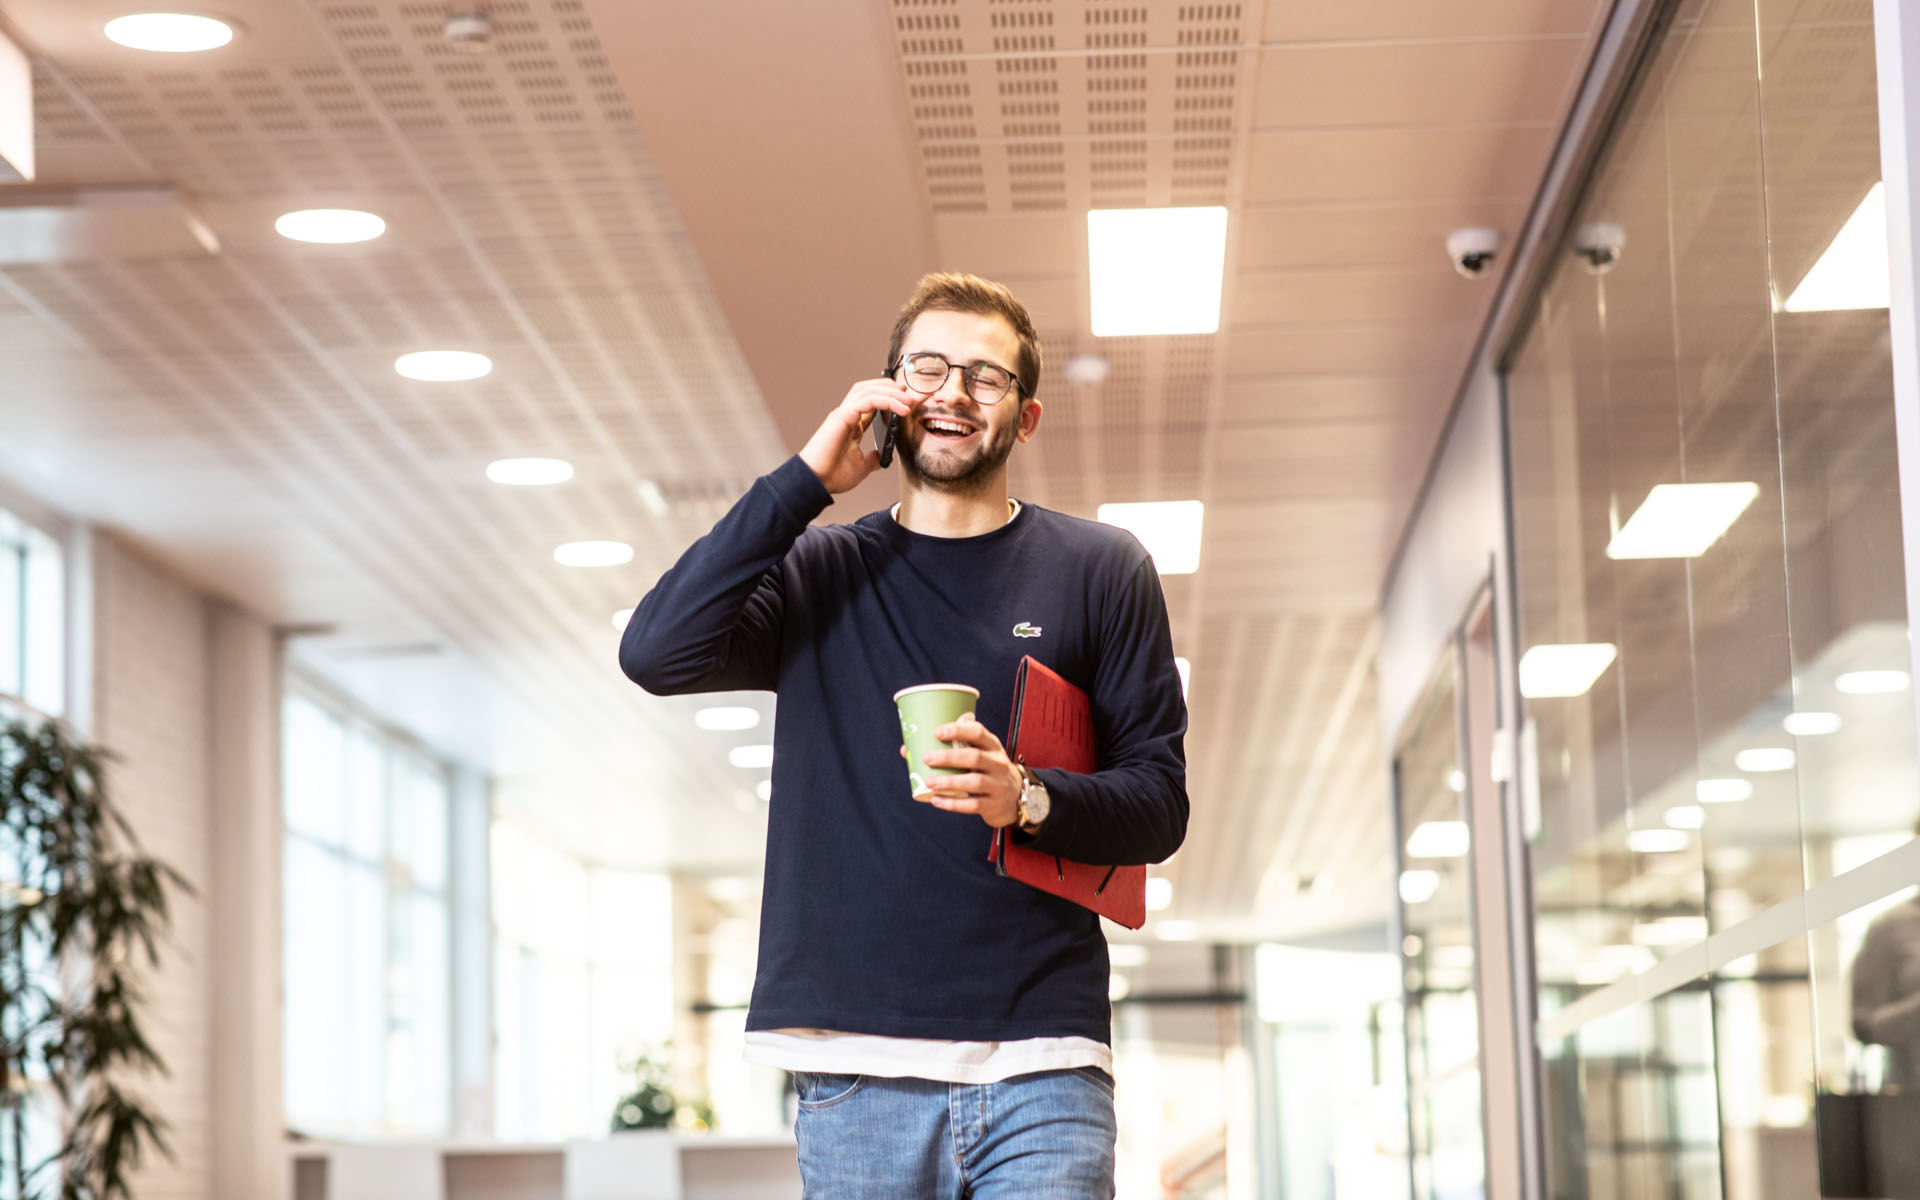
(1023, 629)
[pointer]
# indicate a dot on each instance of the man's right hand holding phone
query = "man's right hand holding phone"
(834, 452)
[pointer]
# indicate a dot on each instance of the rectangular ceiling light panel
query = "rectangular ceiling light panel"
(1169, 529)
(1853, 272)
(1156, 270)
(16, 114)
(1681, 520)
(1550, 672)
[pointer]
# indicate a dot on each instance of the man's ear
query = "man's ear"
(1029, 419)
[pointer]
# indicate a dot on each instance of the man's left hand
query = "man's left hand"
(990, 784)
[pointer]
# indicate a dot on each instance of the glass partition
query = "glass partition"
(1712, 614)
(1447, 1142)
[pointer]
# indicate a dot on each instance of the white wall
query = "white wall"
(184, 690)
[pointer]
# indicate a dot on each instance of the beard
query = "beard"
(956, 473)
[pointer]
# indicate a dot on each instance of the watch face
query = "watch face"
(1034, 803)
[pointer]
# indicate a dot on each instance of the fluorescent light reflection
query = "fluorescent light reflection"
(1159, 893)
(1418, 885)
(1681, 520)
(1722, 791)
(751, 758)
(1811, 724)
(329, 226)
(1169, 529)
(730, 717)
(168, 33)
(443, 366)
(1686, 816)
(1176, 931)
(1762, 760)
(1852, 272)
(529, 472)
(1156, 270)
(593, 554)
(1548, 672)
(1439, 839)
(1873, 683)
(1185, 667)
(1657, 841)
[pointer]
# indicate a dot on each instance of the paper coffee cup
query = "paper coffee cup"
(924, 709)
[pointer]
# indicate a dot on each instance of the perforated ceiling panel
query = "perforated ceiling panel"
(526, 221)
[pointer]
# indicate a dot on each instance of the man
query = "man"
(947, 1026)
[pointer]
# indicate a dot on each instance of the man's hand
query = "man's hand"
(835, 452)
(991, 785)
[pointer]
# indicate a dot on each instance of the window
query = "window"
(32, 623)
(367, 927)
(583, 969)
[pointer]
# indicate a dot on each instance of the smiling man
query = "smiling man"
(947, 1027)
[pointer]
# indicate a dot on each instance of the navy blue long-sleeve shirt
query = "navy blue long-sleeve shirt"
(881, 915)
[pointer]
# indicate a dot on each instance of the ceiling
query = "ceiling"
(680, 230)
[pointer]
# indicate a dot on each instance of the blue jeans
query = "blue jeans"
(1045, 1136)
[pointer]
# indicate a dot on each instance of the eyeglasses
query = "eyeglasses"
(927, 372)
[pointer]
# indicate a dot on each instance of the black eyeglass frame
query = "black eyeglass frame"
(966, 375)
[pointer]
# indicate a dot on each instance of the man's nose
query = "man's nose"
(954, 386)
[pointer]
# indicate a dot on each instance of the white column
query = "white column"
(1896, 35)
(243, 898)
(471, 819)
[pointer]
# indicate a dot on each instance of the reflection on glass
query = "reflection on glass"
(1446, 1144)
(1705, 483)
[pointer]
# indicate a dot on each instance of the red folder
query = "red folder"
(1052, 726)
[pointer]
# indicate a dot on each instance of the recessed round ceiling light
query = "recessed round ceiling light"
(727, 716)
(168, 33)
(329, 226)
(529, 472)
(593, 554)
(621, 618)
(764, 790)
(443, 366)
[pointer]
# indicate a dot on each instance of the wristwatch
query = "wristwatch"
(1035, 804)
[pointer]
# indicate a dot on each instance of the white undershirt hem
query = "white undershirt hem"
(827, 1052)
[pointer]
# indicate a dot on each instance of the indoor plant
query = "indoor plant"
(82, 911)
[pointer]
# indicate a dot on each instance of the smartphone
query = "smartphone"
(886, 430)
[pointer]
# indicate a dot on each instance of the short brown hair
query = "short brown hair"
(950, 292)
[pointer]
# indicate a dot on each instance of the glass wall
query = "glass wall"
(1712, 613)
(1447, 1141)
(367, 927)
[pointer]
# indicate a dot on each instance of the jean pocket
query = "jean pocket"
(1095, 1076)
(818, 1090)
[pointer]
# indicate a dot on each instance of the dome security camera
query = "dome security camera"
(1599, 245)
(1473, 250)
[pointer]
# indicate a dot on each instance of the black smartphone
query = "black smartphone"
(886, 429)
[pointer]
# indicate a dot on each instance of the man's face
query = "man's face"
(952, 442)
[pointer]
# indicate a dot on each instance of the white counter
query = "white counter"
(712, 1167)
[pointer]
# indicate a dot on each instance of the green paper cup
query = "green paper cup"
(924, 709)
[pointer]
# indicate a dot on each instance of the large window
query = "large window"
(367, 927)
(32, 623)
(1712, 612)
(583, 981)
